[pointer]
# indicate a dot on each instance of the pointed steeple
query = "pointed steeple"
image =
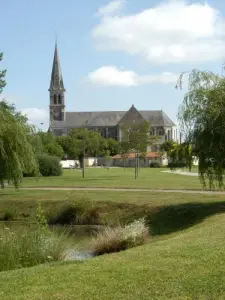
(56, 77)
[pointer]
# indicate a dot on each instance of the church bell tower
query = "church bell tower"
(57, 91)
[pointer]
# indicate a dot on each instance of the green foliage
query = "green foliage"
(51, 145)
(135, 137)
(180, 155)
(155, 164)
(120, 238)
(49, 165)
(202, 117)
(30, 247)
(16, 152)
(21, 118)
(112, 147)
(8, 215)
(64, 143)
(83, 142)
(2, 75)
(41, 220)
(80, 211)
(168, 146)
(177, 164)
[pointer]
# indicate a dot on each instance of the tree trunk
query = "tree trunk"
(83, 168)
(135, 170)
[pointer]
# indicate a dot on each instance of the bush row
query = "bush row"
(48, 166)
(177, 164)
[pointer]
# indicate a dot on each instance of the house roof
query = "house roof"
(132, 155)
(110, 118)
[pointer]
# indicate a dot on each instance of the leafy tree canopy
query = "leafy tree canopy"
(202, 118)
(135, 137)
(51, 146)
(2, 76)
(16, 152)
(83, 142)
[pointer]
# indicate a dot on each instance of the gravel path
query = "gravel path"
(124, 190)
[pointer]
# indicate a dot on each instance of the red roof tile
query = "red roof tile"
(132, 155)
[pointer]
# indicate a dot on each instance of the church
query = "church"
(108, 123)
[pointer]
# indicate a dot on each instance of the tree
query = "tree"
(136, 138)
(16, 152)
(202, 118)
(51, 145)
(2, 76)
(112, 146)
(63, 141)
(179, 155)
(83, 142)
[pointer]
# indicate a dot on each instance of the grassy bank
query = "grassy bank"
(188, 265)
(117, 177)
(165, 212)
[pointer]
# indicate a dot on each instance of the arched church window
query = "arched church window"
(59, 99)
(55, 99)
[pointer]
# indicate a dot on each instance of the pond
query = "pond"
(78, 236)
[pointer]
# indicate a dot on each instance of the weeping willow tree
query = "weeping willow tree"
(2, 76)
(16, 152)
(202, 119)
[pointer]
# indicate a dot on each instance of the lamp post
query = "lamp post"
(42, 123)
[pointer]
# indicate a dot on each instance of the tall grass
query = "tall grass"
(120, 238)
(31, 246)
(26, 248)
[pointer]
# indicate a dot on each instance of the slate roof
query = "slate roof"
(109, 118)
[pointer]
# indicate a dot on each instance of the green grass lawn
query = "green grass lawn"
(185, 258)
(116, 178)
(187, 265)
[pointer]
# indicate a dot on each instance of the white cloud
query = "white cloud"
(111, 8)
(171, 32)
(112, 76)
(36, 116)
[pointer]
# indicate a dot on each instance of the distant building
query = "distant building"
(108, 123)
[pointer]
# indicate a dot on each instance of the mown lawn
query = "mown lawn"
(186, 265)
(116, 178)
(11, 196)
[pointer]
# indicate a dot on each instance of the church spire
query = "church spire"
(56, 77)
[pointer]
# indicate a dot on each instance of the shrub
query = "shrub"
(155, 164)
(79, 211)
(49, 165)
(8, 215)
(177, 164)
(121, 238)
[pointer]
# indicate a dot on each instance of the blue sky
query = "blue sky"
(113, 54)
